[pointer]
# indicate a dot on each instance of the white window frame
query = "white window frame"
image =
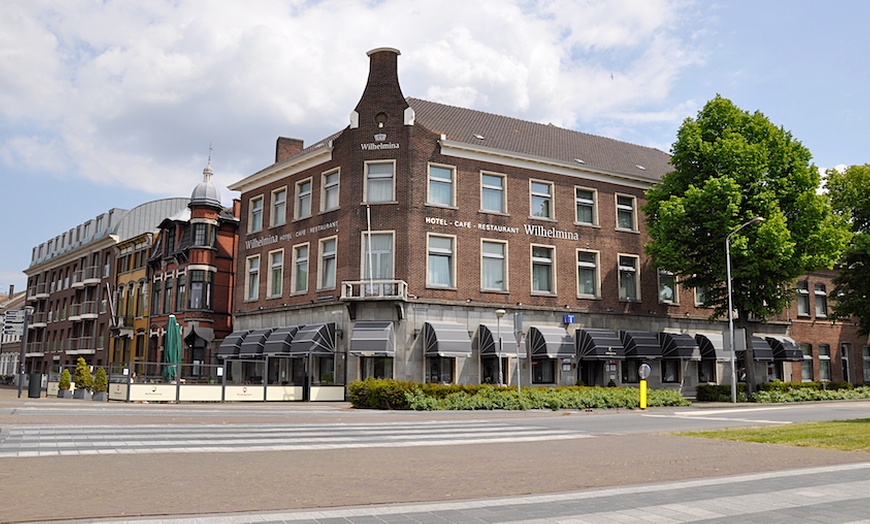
(802, 293)
(865, 357)
(624, 268)
(540, 261)
(700, 296)
(299, 260)
(252, 278)
(675, 290)
(503, 258)
(327, 188)
(368, 180)
(820, 300)
(430, 251)
(302, 207)
(807, 373)
(325, 257)
(593, 205)
(825, 358)
(548, 197)
(451, 183)
(255, 208)
(595, 266)
(275, 270)
(502, 190)
(623, 208)
(278, 214)
(364, 255)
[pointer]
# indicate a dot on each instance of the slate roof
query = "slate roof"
(540, 140)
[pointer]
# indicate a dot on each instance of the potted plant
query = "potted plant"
(64, 385)
(101, 386)
(84, 380)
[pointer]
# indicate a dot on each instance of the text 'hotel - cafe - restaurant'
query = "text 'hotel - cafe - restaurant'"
(424, 241)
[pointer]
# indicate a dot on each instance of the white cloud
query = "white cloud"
(124, 93)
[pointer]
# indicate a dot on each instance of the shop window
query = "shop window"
(544, 371)
(821, 297)
(670, 371)
(303, 199)
(625, 213)
(330, 191)
(379, 181)
(584, 201)
(255, 214)
(541, 199)
(376, 367)
(440, 261)
(824, 362)
(440, 369)
(543, 277)
(807, 363)
(587, 274)
(628, 278)
(493, 265)
(630, 373)
(492, 193)
(252, 283)
(706, 371)
(279, 207)
(441, 185)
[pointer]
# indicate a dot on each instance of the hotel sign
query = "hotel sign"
(529, 229)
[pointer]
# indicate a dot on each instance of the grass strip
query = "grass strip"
(846, 435)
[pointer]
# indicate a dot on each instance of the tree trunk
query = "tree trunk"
(748, 355)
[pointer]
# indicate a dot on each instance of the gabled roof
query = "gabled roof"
(540, 140)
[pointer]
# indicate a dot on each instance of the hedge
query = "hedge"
(395, 394)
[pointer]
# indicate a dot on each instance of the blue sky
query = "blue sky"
(111, 104)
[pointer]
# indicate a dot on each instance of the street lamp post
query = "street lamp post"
(498, 314)
(755, 220)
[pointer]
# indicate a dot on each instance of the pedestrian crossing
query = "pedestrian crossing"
(38, 441)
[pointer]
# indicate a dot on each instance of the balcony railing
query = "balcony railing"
(92, 276)
(89, 310)
(374, 290)
(75, 312)
(78, 279)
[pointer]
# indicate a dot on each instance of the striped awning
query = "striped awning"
(679, 346)
(314, 339)
(551, 342)
(372, 338)
(446, 339)
(487, 340)
(598, 344)
(640, 344)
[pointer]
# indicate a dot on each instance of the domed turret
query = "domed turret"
(205, 193)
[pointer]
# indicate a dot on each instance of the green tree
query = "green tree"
(850, 197)
(83, 377)
(731, 166)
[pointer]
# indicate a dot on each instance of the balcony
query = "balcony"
(38, 320)
(85, 346)
(89, 310)
(78, 279)
(359, 290)
(34, 350)
(75, 313)
(92, 276)
(41, 291)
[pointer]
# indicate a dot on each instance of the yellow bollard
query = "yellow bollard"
(643, 394)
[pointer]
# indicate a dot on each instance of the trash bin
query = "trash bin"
(34, 390)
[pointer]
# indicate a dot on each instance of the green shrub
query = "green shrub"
(65, 382)
(808, 394)
(101, 381)
(84, 380)
(719, 393)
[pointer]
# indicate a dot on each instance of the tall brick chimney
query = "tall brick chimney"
(382, 94)
(287, 147)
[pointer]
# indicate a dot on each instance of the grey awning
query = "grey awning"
(712, 346)
(372, 338)
(253, 344)
(785, 349)
(678, 346)
(231, 345)
(314, 339)
(446, 339)
(761, 350)
(640, 344)
(550, 342)
(598, 344)
(205, 333)
(487, 341)
(278, 342)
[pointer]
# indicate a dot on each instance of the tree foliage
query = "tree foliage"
(850, 197)
(729, 167)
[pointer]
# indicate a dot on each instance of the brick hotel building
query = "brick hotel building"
(388, 248)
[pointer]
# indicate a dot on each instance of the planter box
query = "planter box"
(82, 394)
(101, 396)
(64, 393)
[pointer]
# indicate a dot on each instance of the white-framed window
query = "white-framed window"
(824, 362)
(541, 199)
(626, 218)
(255, 214)
(492, 193)
(300, 268)
(807, 363)
(802, 292)
(377, 256)
(701, 296)
(441, 185)
(629, 278)
(275, 282)
(845, 355)
(493, 265)
(379, 181)
(821, 300)
(440, 269)
(668, 288)
(543, 269)
(329, 190)
(278, 215)
(252, 283)
(587, 274)
(865, 357)
(303, 199)
(326, 268)
(584, 203)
